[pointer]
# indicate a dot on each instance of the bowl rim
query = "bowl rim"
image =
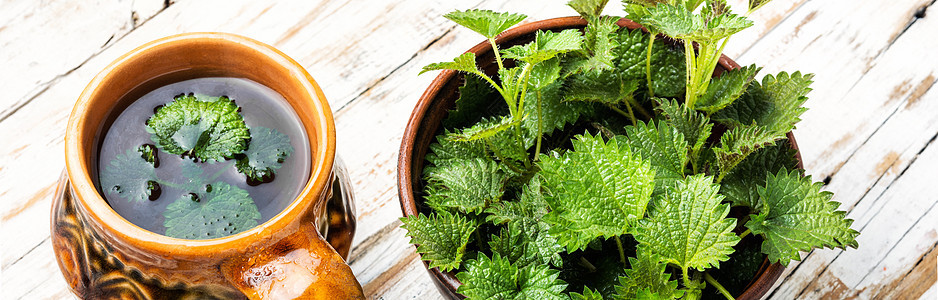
(79, 165)
(767, 274)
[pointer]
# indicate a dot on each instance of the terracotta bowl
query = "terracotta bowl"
(102, 255)
(425, 124)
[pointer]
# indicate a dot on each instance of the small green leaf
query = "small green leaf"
(688, 226)
(598, 46)
(631, 53)
(465, 62)
(486, 22)
(544, 74)
(740, 185)
(546, 45)
(668, 73)
(756, 4)
(485, 129)
(128, 175)
(588, 8)
(224, 211)
(695, 127)
(597, 190)
(475, 97)
(646, 272)
(531, 206)
(441, 238)
(469, 185)
(446, 149)
(738, 143)
(554, 114)
(587, 294)
(206, 128)
(774, 104)
(497, 278)
(679, 22)
(725, 89)
(266, 153)
(796, 215)
(662, 145)
(525, 242)
(599, 86)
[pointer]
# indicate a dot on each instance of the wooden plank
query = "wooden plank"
(41, 57)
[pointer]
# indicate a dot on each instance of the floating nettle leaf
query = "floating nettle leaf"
(131, 177)
(206, 128)
(223, 211)
(266, 153)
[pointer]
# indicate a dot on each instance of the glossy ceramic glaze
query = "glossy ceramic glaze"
(102, 255)
(440, 97)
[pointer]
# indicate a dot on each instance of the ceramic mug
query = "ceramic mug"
(102, 255)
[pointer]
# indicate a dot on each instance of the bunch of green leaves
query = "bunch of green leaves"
(641, 200)
(199, 129)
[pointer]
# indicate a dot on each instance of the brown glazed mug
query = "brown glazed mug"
(299, 253)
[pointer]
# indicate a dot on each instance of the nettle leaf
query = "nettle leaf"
(192, 179)
(688, 226)
(587, 294)
(485, 129)
(475, 95)
(224, 211)
(497, 278)
(680, 22)
(599, 86)
(737, 143)
(646, 272)
(740, 185)
(695, 126)
(544, 74)
(446, 149)
(486, 22)
(668, 74)
(725, 89)
(266, 153)
(597, 190)
(774, 104)
(631, 53)
(441, 238)
(469, 185)
(207, 128)
(553, 113)
(465, 62)
(546, 45)
(525, 242)
(662, 145)
(131, 177)
(530, 206)
(796, 215)
(598, 46)
(588, 8)
(756, 4)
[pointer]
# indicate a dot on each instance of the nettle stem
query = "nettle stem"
(621, 250)
(651, 43)
(718, 286)
(744, 234)
(498, 57)
(690, 58)
(540, 130)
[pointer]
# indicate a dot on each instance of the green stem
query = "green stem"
(621, 251)
(690, 59)
(494, 85)
(744, 234)
(624, 114)
(478, 239)
(686, 277)
(651, 43)
(498, 57)
(719, 287)
(586, 264)
(639, 108)
(540, 130)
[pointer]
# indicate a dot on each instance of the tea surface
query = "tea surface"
(187, 197)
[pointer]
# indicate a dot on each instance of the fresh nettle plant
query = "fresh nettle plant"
(639, 204)
(200, 129)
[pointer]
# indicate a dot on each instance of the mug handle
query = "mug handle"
(301, 266)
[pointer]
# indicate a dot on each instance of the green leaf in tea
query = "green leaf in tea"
(611, 190)
(795, 215)
(646, 272)
(469, 185)
(131, 177)
(223, 211)
(442, 237)
(206, 128)
(486, 22)
(687, 226)
(741, 185)
(497, 278)
(266, 153)
(727, 88)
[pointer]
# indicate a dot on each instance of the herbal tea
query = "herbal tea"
(204, 158)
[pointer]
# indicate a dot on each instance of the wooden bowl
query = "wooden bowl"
(440, 97)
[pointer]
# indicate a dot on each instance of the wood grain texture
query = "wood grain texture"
(870, 130)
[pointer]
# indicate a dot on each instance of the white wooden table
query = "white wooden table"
(870, 131)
